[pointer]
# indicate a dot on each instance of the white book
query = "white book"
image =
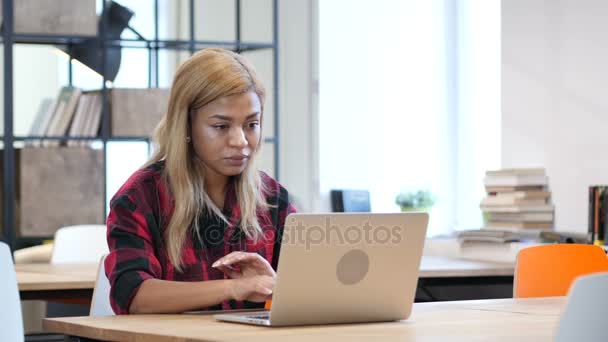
(518, 208)
(44, 125)
(522, 217)
(516, 180)
(516, 172)
(95, 113)
(79, 116)
(509, 201)
(43, 108)
(68, 114)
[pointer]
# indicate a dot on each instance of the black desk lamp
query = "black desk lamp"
(89, 52)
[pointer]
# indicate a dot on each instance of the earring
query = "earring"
(188, 139)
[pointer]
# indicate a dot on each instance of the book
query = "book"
(518, 225)
(67, 98)
(518, 208)
(94, 115)
(77, 126)
(521, 216)
(500, 235)
(45, 106)
(501, 189)
(516, 171)
(598, 205)
(515, 180)
(41, 122)
(511, 201)
(563, 237)
(528, 194)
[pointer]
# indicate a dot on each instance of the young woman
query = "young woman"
(199, 227)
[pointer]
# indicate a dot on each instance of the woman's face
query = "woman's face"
(226, 132)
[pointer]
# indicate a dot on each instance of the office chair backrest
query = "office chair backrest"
(549, 270)
(100, 304)
(584, 317)
(11, 322)
(79, 244)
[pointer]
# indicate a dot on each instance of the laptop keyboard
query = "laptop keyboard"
(263, 316)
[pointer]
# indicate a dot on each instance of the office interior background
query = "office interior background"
(392, 95)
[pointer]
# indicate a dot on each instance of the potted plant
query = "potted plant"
(420, 200)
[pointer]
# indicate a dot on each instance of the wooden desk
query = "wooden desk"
(447, 278)
(485, 320)
(442, 267)
(51, 282)
(48, 281)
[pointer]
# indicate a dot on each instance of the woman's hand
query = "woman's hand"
(253, 277)
(238, 265)
(254, 289)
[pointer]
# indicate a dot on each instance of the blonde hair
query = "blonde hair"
(207, 76)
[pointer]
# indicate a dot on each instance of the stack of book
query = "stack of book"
(517, 199)
(74, 113)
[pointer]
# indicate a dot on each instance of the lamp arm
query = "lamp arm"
(135, 32)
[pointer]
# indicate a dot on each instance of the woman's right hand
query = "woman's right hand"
(254, 289)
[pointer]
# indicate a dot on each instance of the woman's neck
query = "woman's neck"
(215, 186)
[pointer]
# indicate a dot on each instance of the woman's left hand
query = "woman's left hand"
(242, 264)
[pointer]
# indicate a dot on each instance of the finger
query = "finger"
(224, 258)
(230, 259)
(260, 288)
(265, 282)
(240, 257)
(230, 271)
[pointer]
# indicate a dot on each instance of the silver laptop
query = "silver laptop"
(344, 268)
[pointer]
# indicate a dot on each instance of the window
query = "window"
(409, 99)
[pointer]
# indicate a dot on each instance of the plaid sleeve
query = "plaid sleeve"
(131, 238)
(284, 207)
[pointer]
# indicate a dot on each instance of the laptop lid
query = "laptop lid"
(348, 267)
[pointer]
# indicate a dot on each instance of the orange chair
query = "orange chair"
(546, 271)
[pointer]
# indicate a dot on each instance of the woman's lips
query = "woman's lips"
(237, 160)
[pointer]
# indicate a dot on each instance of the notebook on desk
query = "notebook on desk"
(344, 268)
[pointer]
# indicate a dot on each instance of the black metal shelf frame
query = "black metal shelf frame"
(173, 44)
(9, 38)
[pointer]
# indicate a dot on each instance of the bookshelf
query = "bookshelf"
(153, 47)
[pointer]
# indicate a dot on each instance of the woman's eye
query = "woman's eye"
(253, 124)
(220, 127)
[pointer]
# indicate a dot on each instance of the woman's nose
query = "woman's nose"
(238, 138)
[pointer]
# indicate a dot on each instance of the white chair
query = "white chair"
(100, 304)
(79, 244)
(11, 323)
(586, 310)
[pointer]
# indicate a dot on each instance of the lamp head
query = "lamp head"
(89, 52)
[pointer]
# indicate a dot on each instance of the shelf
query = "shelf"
(11, 145)
(36, 138)
(270, 140)
(42, 39)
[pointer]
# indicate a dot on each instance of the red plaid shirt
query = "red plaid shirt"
(138, 218)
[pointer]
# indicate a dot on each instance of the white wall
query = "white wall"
(34, 78)
(554, 103)
(297, 101)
